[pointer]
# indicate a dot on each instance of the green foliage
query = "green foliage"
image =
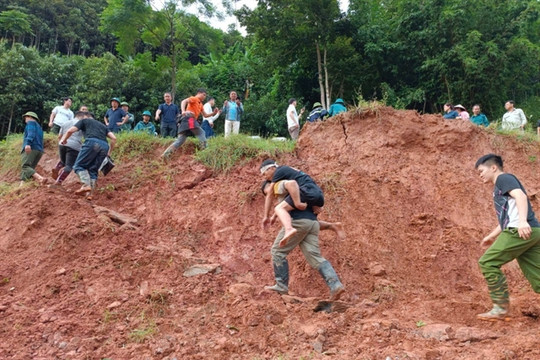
(133, 145)
(222, 154)
(15, 22)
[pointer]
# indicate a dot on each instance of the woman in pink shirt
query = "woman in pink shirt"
(463, 114)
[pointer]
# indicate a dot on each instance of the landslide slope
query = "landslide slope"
(76, 284)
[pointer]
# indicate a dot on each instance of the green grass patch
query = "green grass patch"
(10, 151)
(222, 154)
(132, 145)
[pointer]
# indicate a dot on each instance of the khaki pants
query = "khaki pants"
(294, 132)
(307, 238)
(232, 127)
(29, 163)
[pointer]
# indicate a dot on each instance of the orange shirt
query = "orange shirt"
(195, 106)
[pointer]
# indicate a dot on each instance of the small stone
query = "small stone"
(114, 305)
(319, 344)
(241, 289)
(62, 345)
(60, 271)
(465, 334)
(3, 308)
(201, 269)
(144, 289)
(376, 269)
(441, 332)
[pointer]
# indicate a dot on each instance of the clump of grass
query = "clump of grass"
(131, 145)
(222, 154)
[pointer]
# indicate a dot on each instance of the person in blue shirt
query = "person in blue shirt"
(168, 112)
(115, 117)
(478, 118)
(318, 113)
(449, 112)
(145, 125)
(233, 110)
(337, 107)
(32, 148)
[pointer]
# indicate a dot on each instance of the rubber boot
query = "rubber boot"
(62, 176)
(281, 274)
(93, 188)
(84, 177)
(330, 277)
(56, 171)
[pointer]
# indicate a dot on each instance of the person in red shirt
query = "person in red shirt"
(192, 108)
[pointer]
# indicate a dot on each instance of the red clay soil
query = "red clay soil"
(78, 285)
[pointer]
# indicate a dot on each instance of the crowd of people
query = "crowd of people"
(300, 199)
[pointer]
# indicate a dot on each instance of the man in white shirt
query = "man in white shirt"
(60, 115)
(293, 122)
(208, 122)
(513, 119)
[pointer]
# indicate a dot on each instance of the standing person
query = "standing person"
(513, 119)
(449, 112)
(168, 112)
(60, 115)
(307, 238)
(115, 117)
(538, 128)
(94, 150)
(145, 125)
(68, 152)
(337, 107)
(192, 107)
(516, 237)
(479, 118)
(318, 113)
(127, 125)
(462, 112)
(233, 109)
(208, 122)
(83, 108)
(32, 148)
(293, 119)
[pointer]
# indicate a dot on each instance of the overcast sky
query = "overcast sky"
(224, 24)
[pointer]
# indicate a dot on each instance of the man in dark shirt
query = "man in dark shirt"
(306, 237)
(94, 150)
(516, 237)
(168, 112)
(115, 117)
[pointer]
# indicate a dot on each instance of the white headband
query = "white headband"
(266, 167)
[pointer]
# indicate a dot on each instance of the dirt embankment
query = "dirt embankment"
(77, 282)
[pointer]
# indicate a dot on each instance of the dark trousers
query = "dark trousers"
(208, 131)
(68, 156)
(29, 163)
(168, 129)
(92, 154)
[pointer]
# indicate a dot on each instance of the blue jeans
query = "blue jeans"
(92, 154)
(208, 131)
(169, 129)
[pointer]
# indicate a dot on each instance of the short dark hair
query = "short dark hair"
(264, 184)
(83, 114)
(477, 105)
(511, 102)
(211, 98)
(267, 162)
(449, 105)
(66, 98)
(490, 159)
(201, 91)
(291, 100)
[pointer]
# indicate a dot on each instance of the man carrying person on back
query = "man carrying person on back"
(60, 115)
(68, 152)
(168, 112)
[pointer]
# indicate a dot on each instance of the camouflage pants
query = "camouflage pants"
(507, 247)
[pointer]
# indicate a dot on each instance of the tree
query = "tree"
(15, 22)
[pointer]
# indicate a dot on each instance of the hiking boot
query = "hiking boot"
(336, 293)
(277, 288)
(332, 280)
(498, 312)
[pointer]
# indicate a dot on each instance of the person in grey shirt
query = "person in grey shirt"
(68, 152)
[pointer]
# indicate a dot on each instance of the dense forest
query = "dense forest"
(414, 54)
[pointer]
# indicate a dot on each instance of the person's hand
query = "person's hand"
(238, 102)
(211, 125)
(487, 241)
(273, 219)
(63, 141)
(120, 123)
(216, 110)
(265, 223)
(157, 118)
(524, 230)
(225, 103)
(28, 149)
(50, 124)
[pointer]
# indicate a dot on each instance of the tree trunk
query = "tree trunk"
(328, 93)
(319, 69)
(10, 117)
